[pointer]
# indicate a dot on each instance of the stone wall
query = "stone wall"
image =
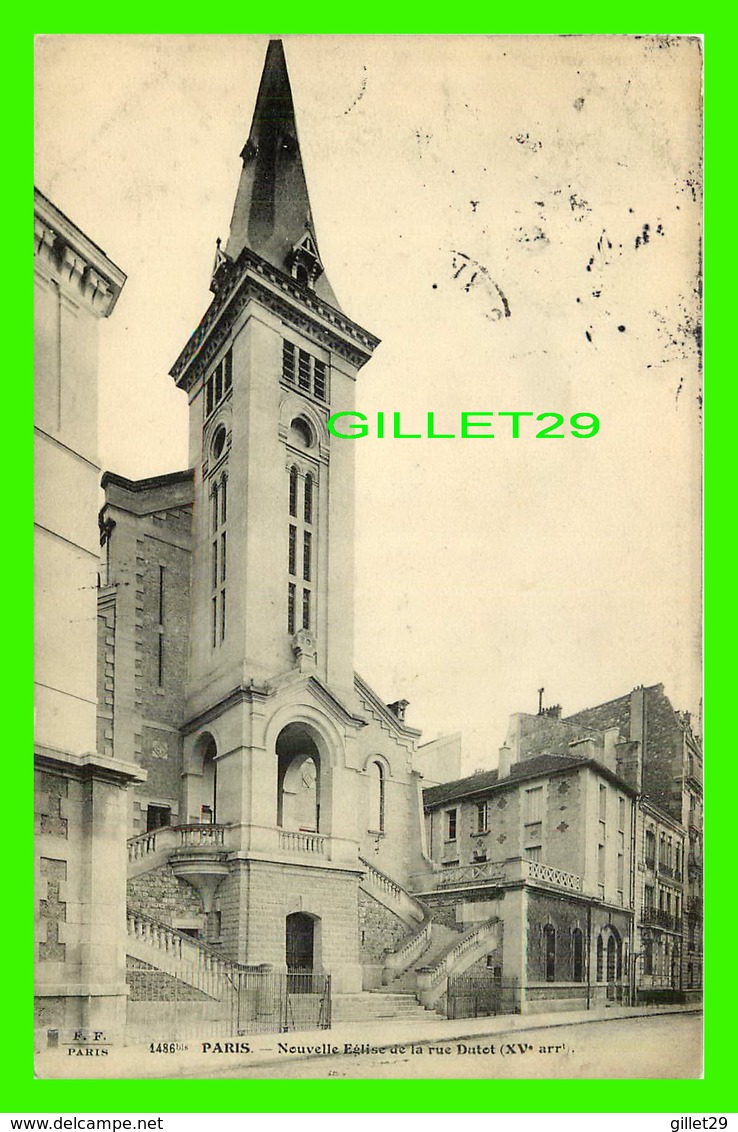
(256, 898)
(565, 915)
(379, 929)
(148, 984)
(159, 893)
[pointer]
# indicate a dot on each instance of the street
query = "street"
(662, 1046)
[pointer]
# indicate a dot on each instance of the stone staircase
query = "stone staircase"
(406, 982)
(370, 1007)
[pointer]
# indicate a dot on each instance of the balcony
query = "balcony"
(201, 840)
(660, 919)
(187, 847)
(665, 870)
(513, 870)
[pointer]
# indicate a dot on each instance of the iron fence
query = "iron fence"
(164, 1008)
(480, 996)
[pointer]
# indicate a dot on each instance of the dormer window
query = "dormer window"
(304, 261)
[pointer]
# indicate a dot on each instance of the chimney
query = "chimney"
(629, 763)
(609, 752)
(553, 712)
(584, 748)
(398, 708)
(503, 763)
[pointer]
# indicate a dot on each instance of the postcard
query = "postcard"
(368, 577)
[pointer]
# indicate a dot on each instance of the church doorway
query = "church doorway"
(300, 942)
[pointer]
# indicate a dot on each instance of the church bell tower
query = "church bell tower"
(272, 713)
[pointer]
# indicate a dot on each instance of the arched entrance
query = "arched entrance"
(298, 779)
(300, 943)
(207, 751)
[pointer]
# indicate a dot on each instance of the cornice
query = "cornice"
(251, 277)
(67, 255)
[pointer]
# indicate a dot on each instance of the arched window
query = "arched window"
(376, 797)
(308, 509)
(549, 952)
(577, 955)
(300, 433)
(612, 959)
(293, 490)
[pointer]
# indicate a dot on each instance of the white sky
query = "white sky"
(485, 569)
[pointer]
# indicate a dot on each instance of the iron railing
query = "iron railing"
(481, 996)
(256, 1000)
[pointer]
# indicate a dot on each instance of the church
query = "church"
(226, 607)
(278, 816)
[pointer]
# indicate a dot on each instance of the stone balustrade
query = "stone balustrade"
(392, 895)
(510, 871)
(301, 841)
(432, 980)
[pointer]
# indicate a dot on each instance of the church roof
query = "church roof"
(272, 214)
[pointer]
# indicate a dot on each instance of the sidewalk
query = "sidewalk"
(207, 1055)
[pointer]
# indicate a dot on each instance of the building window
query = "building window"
(219, 559)
(291, 608)
(376, 798)
(650, 849)
(613, 959)
(534, 805)
(293, 490)
(160, 635)
(218, 384)
(450, 825)
(549, 952)
(621, 879)
(621, 813)
(603, 803)
(301, 369)
(292, 552)
(648, 957)
(577, 955)
(301, 516)
(306, 555)
(308, 503)
(482, 817)
(157, 817)
(600, 958)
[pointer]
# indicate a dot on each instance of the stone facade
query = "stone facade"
(80, 794)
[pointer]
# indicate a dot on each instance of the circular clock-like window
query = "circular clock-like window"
(219, 441)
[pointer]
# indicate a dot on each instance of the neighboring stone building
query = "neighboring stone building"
(666, 767)
(544, 843)
(80, 790)
(659, 904)
(564, 838)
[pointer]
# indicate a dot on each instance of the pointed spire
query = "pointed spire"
(272, 215)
